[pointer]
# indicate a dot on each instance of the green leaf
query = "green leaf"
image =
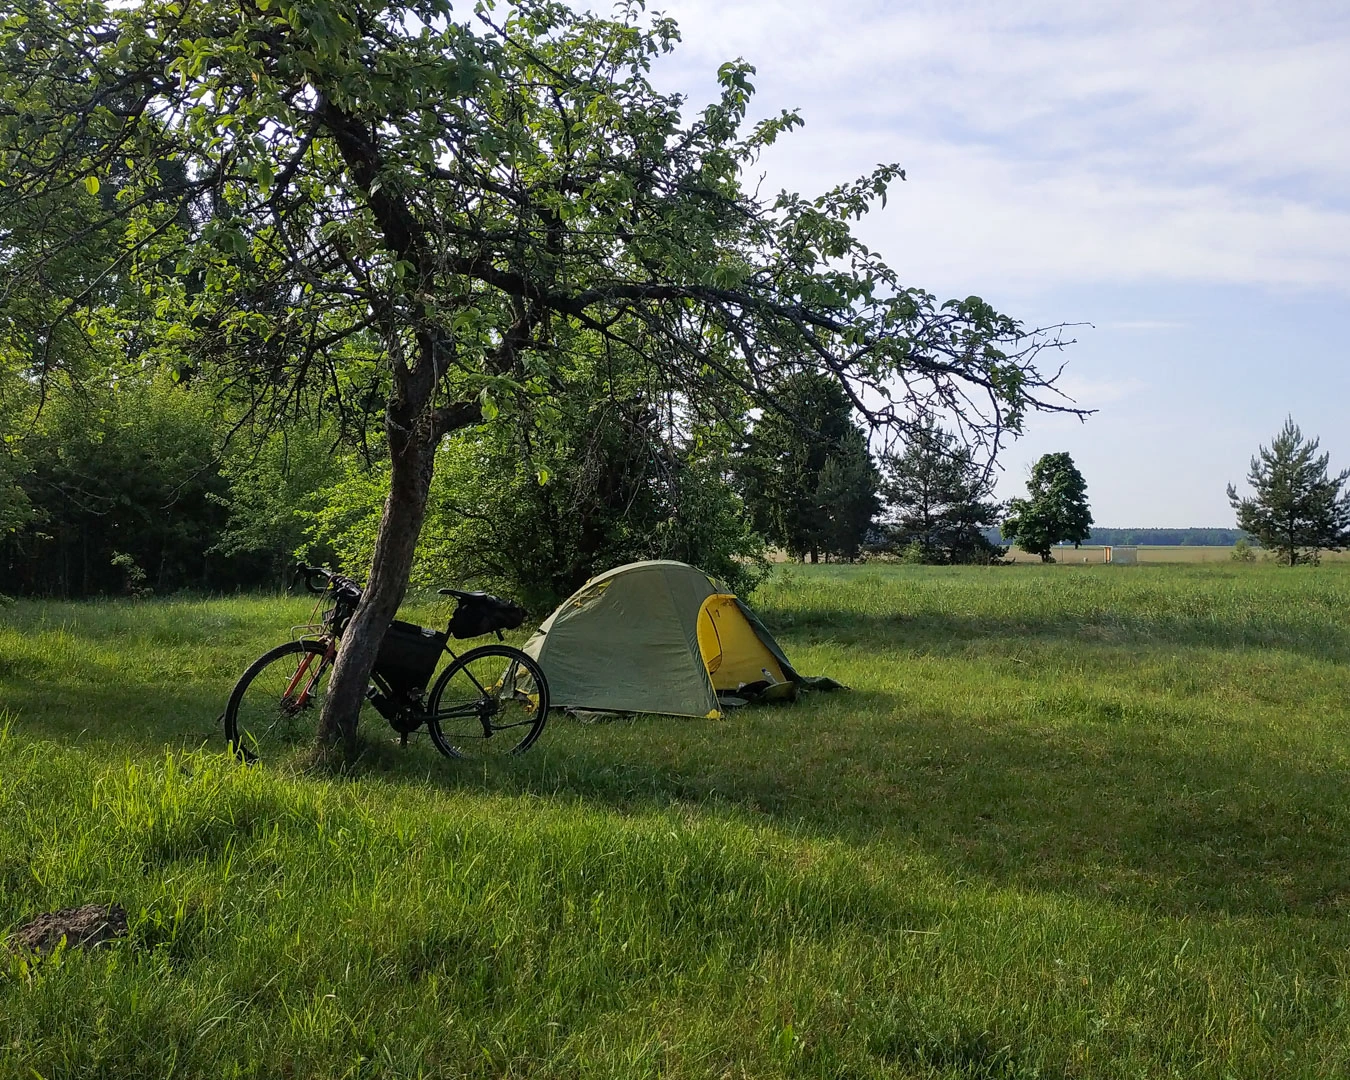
(91, 184)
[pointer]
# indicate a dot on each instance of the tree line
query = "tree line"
(1166, 537)
(137, 482)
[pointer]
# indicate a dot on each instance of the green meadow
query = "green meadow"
(1069, 821)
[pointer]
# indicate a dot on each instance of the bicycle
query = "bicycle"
(493, 698)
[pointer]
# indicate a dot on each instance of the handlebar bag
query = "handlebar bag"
(408, 656)
(478, 615)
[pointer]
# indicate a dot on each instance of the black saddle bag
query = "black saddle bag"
(478, 615)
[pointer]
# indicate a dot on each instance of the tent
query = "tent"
(660, 637)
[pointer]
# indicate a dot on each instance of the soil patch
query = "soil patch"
(82, 927)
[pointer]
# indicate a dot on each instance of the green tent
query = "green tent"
(660, 637)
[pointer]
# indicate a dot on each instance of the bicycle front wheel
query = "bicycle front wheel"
(274, 707)
(493, 700)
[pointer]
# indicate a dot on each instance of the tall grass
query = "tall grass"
(1068, 822)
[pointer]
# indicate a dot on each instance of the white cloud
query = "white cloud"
(1059, 143)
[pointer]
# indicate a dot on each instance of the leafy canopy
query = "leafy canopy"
(1055, 509)
(378, 202)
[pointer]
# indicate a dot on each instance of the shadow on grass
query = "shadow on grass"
(1108, 814)
(1153, 814)
(1105, 811)
(150, 718)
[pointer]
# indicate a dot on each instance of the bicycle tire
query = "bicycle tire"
(481, 696)
(258, 722)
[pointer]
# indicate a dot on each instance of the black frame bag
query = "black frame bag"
(408, 656)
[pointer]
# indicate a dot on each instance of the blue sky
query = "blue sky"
(1175, 174)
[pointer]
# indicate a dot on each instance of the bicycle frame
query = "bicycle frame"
(328, 656)
(405, 712)
(315, 664)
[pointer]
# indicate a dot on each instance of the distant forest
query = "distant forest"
(1159, 537)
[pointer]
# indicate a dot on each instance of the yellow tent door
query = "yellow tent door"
(732, 651)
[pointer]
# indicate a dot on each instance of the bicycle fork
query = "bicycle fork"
(302, 699)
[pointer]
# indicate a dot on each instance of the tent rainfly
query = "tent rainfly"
(661, 637)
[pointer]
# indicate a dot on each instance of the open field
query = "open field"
(1094, 555)
(1069, 822)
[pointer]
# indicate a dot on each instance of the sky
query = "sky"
(1173, 175)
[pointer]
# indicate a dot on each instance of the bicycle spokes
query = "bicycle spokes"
(481, 705)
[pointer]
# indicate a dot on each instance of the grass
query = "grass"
(1157, 554)
(1069, 821)
(1095, 554)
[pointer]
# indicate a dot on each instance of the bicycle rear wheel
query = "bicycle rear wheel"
(274, 707)
(491, 701)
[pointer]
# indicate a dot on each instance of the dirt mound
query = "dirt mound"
(86, 926)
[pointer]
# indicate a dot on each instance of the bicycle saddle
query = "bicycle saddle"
(459, 594)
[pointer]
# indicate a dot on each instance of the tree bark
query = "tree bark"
(412, 457)
(395, 545)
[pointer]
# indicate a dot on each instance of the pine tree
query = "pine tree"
(847, 496)
(805, 472)
(1298, 509)
(939, 500)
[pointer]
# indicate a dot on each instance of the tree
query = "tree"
(15, 509)
(805, 471)
(412, 218)
(276, 489)
(938, 499)
(1297, 509)
(1055, 510)
(118, 477)
(847, 496)
(535, 504)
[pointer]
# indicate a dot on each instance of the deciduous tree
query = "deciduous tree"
(409, 214)
(1054, 511)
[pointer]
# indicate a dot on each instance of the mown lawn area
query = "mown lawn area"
(1068, 822)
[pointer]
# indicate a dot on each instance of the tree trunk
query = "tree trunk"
(413, 425)
(412, 459)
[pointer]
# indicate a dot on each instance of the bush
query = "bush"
(119, 475)
(913, 554)
(534, 513)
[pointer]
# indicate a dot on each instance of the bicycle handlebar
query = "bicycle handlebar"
(335, 582)
(347, 589)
